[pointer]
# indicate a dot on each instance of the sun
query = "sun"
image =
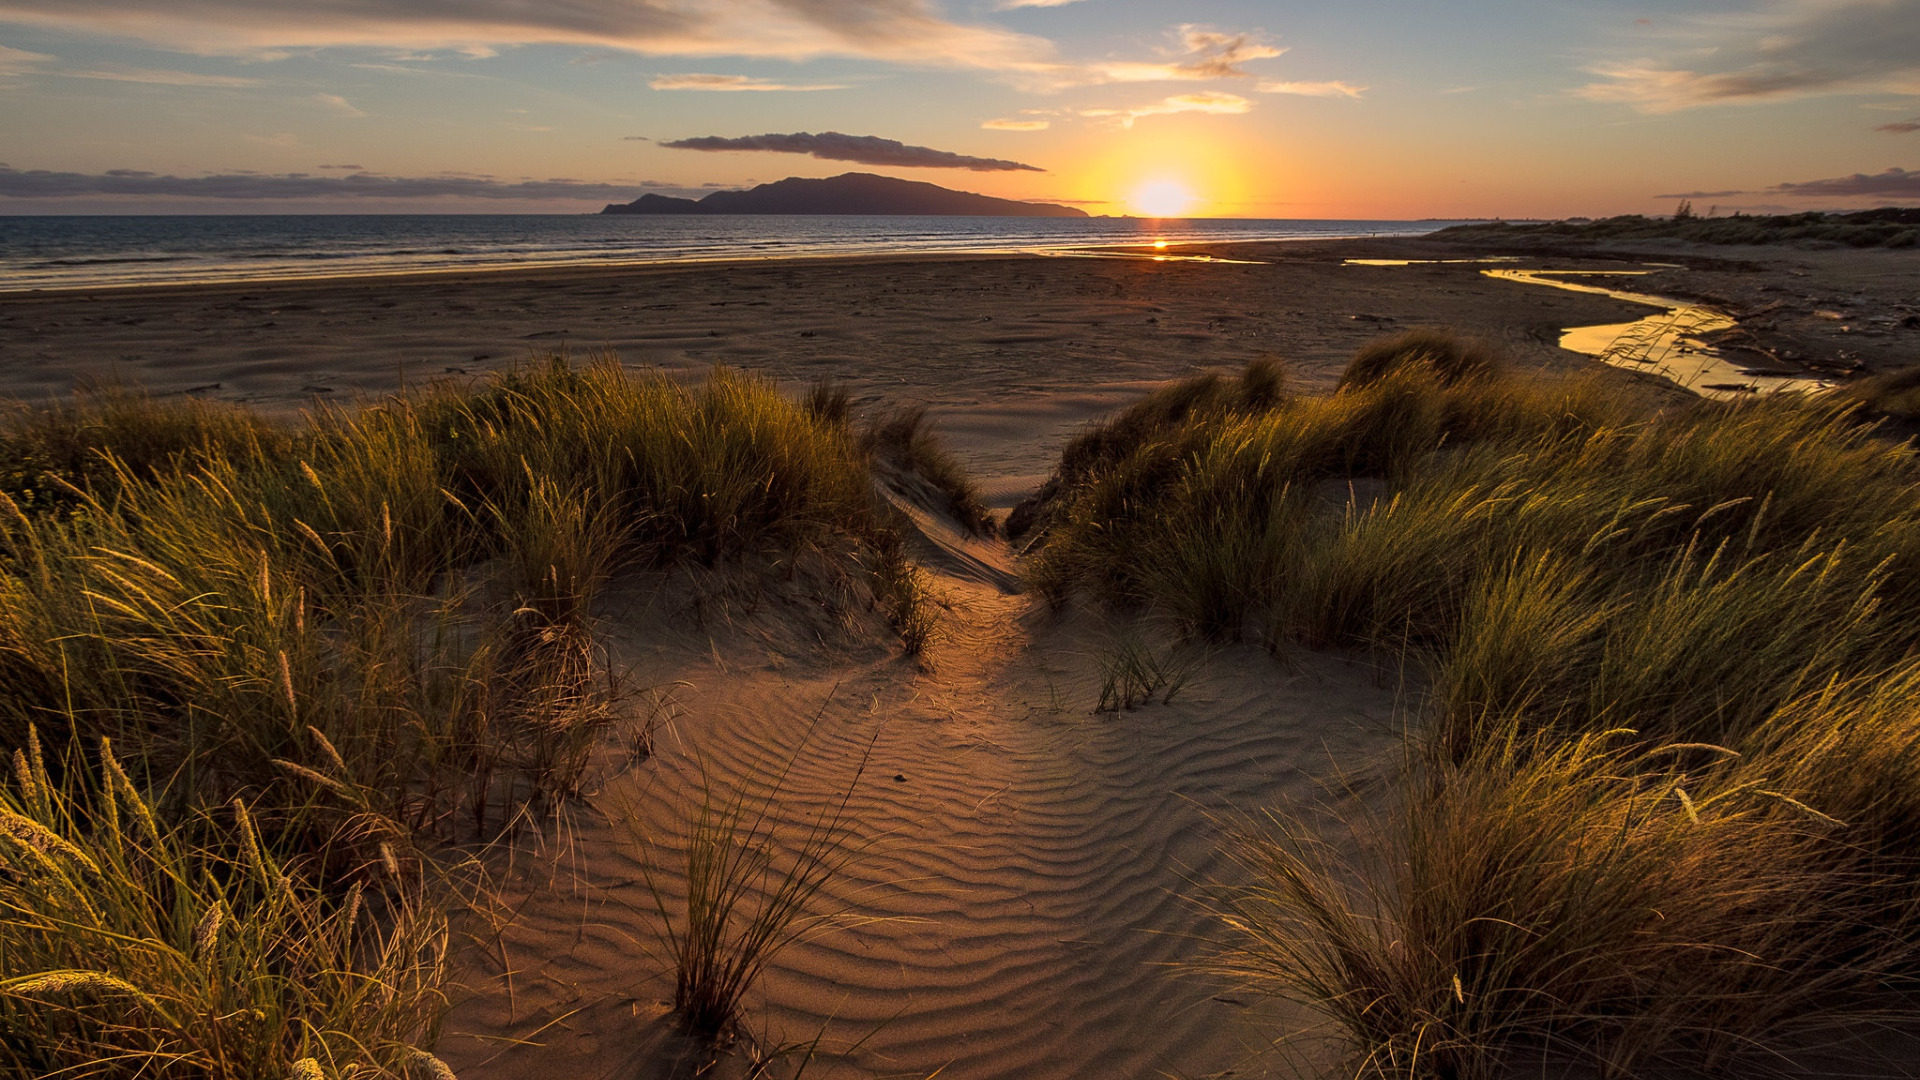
(1163, 198)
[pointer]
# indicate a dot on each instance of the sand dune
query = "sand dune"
(1029, 861)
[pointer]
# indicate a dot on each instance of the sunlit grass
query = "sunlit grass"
(1653, 639)
(321, 648)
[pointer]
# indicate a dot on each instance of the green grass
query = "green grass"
(1588, 583)
(315, 644)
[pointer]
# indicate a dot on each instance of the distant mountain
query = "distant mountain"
(848, 193)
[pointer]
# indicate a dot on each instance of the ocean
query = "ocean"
(58, 252)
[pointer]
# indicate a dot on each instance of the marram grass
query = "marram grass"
(1658, 808)
(315, 647)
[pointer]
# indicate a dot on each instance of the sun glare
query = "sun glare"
(1163, 198)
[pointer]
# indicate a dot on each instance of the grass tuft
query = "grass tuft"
(1448, 359)
(905, 440)
(748, 893)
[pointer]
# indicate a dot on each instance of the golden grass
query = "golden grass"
(1659, 804)
(317, 644)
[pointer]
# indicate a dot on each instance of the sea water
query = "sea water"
(94, 251)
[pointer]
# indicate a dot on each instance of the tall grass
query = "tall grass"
(316, 644)
(1581, 900)
(1628, 616)
(136, 946)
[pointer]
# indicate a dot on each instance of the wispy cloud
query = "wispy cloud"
(1015, 5)
(693, 81)
(1702, 194)
(43, 184)
(911, 32)
(1894, 183)
(1902, 127)
(1332, 88)
(339, 104)
(1206, 101)
(156, 77)
(1015, 125)
(1202, 53)
(863, 149)
(1787, 49)
(17, 62)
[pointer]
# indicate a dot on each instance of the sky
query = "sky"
(1374, 109)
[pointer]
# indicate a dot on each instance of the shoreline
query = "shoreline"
(598, 268)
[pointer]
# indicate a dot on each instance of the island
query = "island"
(848, 193)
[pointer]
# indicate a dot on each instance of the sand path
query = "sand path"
(1028, 860)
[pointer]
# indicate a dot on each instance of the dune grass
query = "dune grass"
(315, 645)
(138, 946)
(749, 891)
(904, 439)
(1669, 660)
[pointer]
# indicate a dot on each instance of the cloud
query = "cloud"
(343, 168)
(1703, 194)
(1206, 101)
(1788, 49)
(864, 149)
(1015, 125)
(1313, 89)
(43, 184)
(911, 32)
(338, 104)
(155, 77)
(1203, 54)
(1013, 5)
(1894, 183)
(17, 62)
(1903, 127)
(730, 83)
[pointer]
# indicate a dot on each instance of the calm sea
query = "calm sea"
(67, 252)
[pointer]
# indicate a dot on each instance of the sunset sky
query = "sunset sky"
(1247, 108)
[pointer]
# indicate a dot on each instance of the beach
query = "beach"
(1011, 353)
(1019, 895)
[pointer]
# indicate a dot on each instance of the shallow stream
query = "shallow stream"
(1670, 343)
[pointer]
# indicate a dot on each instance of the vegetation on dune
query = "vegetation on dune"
(1892, 227)
(313, 646)
(905, 440)
(1894, 395)
(1662, 802)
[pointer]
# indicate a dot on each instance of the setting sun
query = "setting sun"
(1163, 198)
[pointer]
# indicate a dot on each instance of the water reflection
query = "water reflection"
(1670, 343)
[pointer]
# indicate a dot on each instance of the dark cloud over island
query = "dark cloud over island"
(861, 149)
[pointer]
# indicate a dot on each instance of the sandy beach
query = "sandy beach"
(1022, 865)
(1012, 353)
